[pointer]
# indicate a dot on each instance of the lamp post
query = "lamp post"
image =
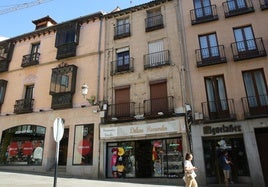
(84, 90)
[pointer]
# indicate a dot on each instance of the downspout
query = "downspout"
(99, 60)
(185, 72)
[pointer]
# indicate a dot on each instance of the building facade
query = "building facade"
(41, 77)
(143, 129)
(226, 43)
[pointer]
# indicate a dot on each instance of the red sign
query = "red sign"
(13, 149)
(27, 148)
(84, 147)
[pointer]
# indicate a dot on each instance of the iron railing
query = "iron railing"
(154, 23)
(210, 56)
(122, 31)
(119, 66)
(248, 49)
(30, 59)
(121, 112)
(237, 7)
(156, 59)
(157, 107)
(219, 110)
(23, 106)
(255, 106)
(204, 14)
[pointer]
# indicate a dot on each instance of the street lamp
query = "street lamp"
(84, 90)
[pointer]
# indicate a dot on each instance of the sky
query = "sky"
(15, 23)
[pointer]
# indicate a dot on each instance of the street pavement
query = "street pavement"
(12, 179)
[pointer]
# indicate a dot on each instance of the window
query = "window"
(236, 4)
(216, 96)
(154, 20)
(63, 79)
(122, 102)
(122, 27)
(3, 85)
(83, 144)
(156, 53)
(123, 60)
(22, 145)
(209, 45)
(67, 34)
(159, 99)
(202, 8)
(256, 89)
(244, 38)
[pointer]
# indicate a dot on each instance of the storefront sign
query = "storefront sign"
(222, 129)
(143, 129)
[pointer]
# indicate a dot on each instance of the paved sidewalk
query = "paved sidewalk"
(12, 179)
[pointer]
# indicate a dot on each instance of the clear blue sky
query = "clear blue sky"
(20, 21)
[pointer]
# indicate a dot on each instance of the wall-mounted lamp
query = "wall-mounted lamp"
(84, 90)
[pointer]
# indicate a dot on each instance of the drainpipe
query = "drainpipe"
(185, 72)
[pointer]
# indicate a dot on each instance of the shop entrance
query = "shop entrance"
(144, 164)
(213, 148)
(64, 148)
(261, 137)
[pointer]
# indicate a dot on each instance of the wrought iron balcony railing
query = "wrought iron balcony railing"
(210, 56)
(222, 110)
(62, 100)
(30, 59)
(255, 106)
(204, 14)
(156, 59)
(66, 50)
(237, 7)
(121, 112)
(23, 106)
(158, 107)
(122, 31)
(122, 66)
(154, 23)
(264, 4)
(248, 49)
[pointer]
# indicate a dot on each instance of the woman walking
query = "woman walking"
(189, 171)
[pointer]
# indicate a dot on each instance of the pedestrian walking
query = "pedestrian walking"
(189, 171)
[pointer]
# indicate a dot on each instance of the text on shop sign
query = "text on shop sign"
(222, 129)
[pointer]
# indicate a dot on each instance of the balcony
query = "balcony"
(237, 7)
(121, 31)
(121, 112)
(210, 56)
(255, 106)
(157, 59)
(66, 50)
(30, 60)
(215, 111)
(248, 49)
(204, 14)
(23, 106)
(154, 23)
(120, 66)
(264, 4)
(159, 107)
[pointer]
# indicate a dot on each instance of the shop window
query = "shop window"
(213, 148)
(83, 144)
(22, 145)
(145, 158)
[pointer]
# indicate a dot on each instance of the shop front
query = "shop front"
(151, 150)
(237, 138)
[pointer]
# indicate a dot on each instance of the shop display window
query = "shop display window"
(145, 158)
(22, 145)
(83, 144)
(213, 148)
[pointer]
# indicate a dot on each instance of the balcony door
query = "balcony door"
(209, 46)
(156, 54)
(216, 97)
(122, 102)
(234, 5)
(159, 100)
(244, 38)
(256, 90)
(202, 8)
(123, 60)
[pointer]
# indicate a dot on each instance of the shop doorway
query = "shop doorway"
(144, 164)
(261, 137)
(64, 148)
(213, 148)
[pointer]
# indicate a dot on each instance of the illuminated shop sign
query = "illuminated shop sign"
(222, 129)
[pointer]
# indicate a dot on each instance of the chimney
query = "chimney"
(43, 22)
